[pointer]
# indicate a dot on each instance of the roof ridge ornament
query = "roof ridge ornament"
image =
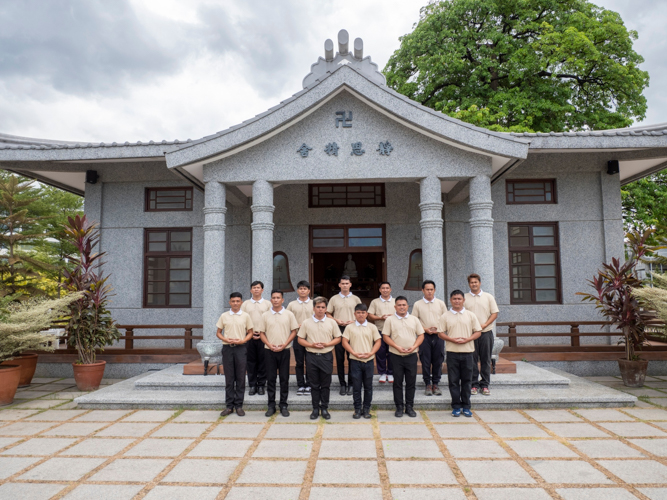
(355, 58)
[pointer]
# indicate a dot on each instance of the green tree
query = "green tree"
(522, 65)
(645, 204)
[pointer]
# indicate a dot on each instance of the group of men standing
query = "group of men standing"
(257, 335)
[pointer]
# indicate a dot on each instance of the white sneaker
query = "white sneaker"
(383, 378)
(390, 379)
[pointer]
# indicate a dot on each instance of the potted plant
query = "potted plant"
(615, 286)
(21, 329)
(90, 326)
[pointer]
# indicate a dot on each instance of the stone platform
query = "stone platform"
(530, 387)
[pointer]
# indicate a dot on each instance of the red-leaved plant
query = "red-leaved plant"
(90, 327)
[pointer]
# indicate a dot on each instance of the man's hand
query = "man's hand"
(232, 341)
(319, 345)
(255, 335)
(363, 355)
(277, 348)
(341, 322)
(386, 316)
(431, 330)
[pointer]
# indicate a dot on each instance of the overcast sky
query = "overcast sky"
(117, 70)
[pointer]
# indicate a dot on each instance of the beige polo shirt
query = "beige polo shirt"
(380, 307)
(429, 312)
(403, 331)
(342, 308)
(301, 310)
(315, 330)
(256, 308)
(460, 324)
(278, 326)
(361, 338)
(483, 305)
(234, 325)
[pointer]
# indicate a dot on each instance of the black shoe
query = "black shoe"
(260, 390)
(367, 413)
(252, 391)
(315, 414)
(342, 390)
(270, 411)
(284, 412)
(226, 411)
(357, 414)
(349, 390)
(325, 414)
(398, 413)
(240, 412)
(410, 411)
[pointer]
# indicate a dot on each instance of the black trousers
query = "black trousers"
(482, 355)
(459, 373)
(383, 359)
(405, 367)
(361, 374)
(319, 367)
(300, 358)
(234, 365)
(341, 353)
(256, 364)
(432, 355)
(277, 364)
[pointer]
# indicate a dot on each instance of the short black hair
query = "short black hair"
(385, 283)
(257, 282)
(360, 307)
(401, 297)
(344, 277)
(235, 295)
(303, 283)
(428, 282)
(277, 291)
(457, 292)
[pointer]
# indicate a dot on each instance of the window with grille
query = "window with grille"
(167, 267)
(346, 195)
(534, 263)
(168, 199)
(530, 191)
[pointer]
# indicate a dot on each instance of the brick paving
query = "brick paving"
(51, 449)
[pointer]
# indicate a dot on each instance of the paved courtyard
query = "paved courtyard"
(51, 449)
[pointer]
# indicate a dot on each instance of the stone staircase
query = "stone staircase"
(529, 387)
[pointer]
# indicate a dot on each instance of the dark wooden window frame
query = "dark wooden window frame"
(407, 282)
(168, 255)
(374, 205)
(184, 209)
(554, 197)
(346, 248)
(289, 278)
(532, 250)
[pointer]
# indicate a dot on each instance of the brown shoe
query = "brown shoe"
(240, 412)
(226, 411)
(436, 390)
(429, 390)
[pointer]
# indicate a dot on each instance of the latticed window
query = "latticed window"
(168, 199)
(168, 267)
(346, 195)
(530, 191)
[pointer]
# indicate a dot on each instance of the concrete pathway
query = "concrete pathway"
(48, 449)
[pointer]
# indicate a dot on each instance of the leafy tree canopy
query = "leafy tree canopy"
(645, 204)
(523, 65)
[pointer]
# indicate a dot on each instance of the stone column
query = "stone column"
(214, 268)
(481, 230)
(431, 224)
(262, 233)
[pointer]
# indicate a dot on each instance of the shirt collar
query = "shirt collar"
(365, 323)
(318, 320)
(279, 312)
(345, 296)
(428, 301)
(388, 300)
(477, 294)
(238, 313)
(407, 315)
(303, 301)
(457, 312)
(257, 301)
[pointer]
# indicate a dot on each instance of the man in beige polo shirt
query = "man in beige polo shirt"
(459, 328)
(485, 308)
(404, 334)
(379, 310)
(362, 340)
(341, 310)
(319, 334)
(235, 329)
(256, 306)
(277, 331)
(432, 351)
(302, 308)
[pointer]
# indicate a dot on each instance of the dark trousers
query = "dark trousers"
(459, 373)
(361, 374)
(341, 353)
(405, 367)
(432, 355)
(319, 367)
(482, 355)
(277, 364)
(383, 359)
(300, 358)
(256, 364)
(234, 365)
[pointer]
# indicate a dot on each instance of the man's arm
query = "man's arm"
(489, 321)
(348, 348)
